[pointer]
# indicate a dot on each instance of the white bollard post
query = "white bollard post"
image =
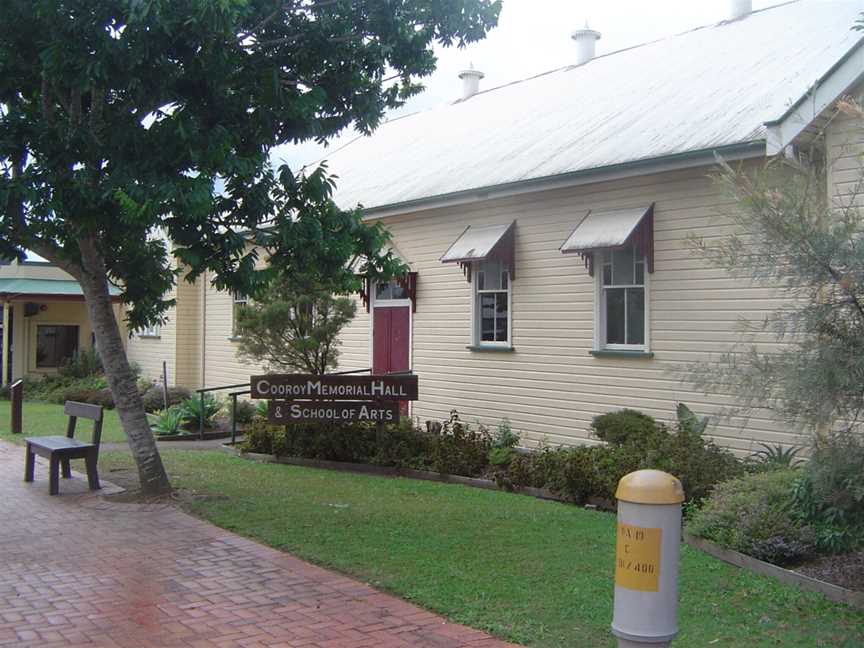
(647, 552)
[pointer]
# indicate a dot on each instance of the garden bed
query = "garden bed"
(390, 471)
(804, 577)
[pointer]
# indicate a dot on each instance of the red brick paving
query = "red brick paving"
(78, 571)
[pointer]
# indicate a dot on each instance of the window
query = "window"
(492, 303)
(55, 344)
(151, 331)
(622, 314)
(239, 300)
(389, 291)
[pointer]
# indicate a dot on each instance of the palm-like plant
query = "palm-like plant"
(777, 456)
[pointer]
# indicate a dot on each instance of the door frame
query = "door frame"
(391, 303)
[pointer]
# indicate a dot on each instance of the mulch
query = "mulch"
(845, 570)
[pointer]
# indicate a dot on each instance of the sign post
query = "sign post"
(16, 396)
(647, 552)
(303, 398)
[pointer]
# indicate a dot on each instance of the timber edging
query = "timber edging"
(389, 471)
(829, 590)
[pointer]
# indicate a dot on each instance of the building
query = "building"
(44, 320)
(545, 225)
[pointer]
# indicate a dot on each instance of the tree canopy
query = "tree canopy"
(125, 122)
(121, 116)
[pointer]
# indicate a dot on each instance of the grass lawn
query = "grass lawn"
(46, 419)
(534, 572)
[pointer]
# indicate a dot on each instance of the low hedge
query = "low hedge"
(754, 514)
(454, 447)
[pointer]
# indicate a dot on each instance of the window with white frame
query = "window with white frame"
(622, 316)
(152, 331)
(390, 291)
(491, 303)
(239, 300)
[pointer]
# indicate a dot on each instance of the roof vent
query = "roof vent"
(470, 81)
(586, 44)
(739, 9)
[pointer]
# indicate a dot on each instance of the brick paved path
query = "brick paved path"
(76, 570)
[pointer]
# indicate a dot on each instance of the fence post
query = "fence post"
(16, 395)
(165, 384)
(233, 419)
(647, 551)
(201, 416)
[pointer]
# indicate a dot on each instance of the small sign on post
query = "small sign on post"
(16, 395)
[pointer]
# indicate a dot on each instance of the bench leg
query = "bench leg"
(92, 473)
(29, 464)
(54, 475)
(67, 469)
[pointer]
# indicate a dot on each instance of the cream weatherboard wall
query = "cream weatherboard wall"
(844, 143)
(550, 387)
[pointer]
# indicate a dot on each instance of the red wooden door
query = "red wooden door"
(391, 340)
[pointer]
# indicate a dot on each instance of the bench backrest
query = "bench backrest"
(86, 411)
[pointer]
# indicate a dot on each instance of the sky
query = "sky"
(533, 36)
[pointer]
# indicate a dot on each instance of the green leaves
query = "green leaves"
(132, 119)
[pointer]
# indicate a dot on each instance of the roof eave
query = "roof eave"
(671, 162)
(843, 75)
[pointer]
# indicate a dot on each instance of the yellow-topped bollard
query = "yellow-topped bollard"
(647, 552)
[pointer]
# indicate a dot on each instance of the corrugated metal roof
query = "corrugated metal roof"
(604, 229)
(44, 287)
(475, 243)
(708, 88)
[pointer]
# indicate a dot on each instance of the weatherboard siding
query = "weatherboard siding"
(844, 140)
(550, 387)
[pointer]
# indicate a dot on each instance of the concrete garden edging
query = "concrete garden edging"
(387, 471)
(829, 590)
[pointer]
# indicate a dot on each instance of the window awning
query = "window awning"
(603, 230)
(479, 243)
(47, 289)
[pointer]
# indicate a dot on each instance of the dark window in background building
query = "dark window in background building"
(55, 344)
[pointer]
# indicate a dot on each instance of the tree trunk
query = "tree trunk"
(121, 379)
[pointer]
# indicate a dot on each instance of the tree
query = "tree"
(791, 236)
(292, 328)
(120, 118)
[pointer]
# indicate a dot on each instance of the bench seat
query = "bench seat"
(59, 450)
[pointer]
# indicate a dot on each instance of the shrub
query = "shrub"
(774, 457)
(830, 493)
(262, 408)
(169, 422)
(196, 410)
(82, 364)
(101, 397)
(153, 399)
(753, 514)
(244, 411)
(625, 427)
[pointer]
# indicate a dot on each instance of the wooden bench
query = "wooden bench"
(60, 450)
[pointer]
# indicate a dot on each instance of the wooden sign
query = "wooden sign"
(637, 558)
(350, 388)
(334, 411)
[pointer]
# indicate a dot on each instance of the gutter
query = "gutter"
(674, 161)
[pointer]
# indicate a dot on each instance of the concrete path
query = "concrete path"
(77, 570)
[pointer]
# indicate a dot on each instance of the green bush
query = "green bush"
(154, 401)
(169, 422)
(625, 427)
(830, 492)
(196, 410)
(753, 514)
(101, 397)
(82, 364)
(244, 411)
